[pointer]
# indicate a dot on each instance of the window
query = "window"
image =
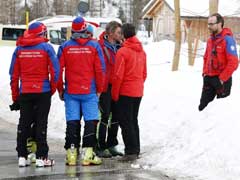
(55, 37)
(11, 33)
(103, 24)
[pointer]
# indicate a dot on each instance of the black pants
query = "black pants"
(127, 112)
(33, 125)
(73, 131)
(211, 88)
(27, 103)
(107, 106)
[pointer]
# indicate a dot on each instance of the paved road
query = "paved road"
(109, 170)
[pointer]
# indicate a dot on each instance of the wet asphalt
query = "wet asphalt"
(111, 169)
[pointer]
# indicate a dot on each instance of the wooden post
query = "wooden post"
(213, 6)
(196, 42)
(177, 36)
(190, 46)
(27, 18)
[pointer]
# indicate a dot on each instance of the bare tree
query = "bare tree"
(95, 7)
(121, 15)
(38, 9)
(9, 11)
(136, 9)
(71, 6)
(47, 7)
(58, 6)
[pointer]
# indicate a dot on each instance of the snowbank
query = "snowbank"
(175, 137)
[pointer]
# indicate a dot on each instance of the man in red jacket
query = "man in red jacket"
(33, 61)
(108, 125)
(220, 61)
(130, 72)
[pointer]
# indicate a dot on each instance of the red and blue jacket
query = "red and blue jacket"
(32, 62)
(82, 60)
(109, 51)
(130, 70)
(220, 58)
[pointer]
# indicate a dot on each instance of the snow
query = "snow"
(178, 139)
(175, 137)
(201, 8)
(56, 115)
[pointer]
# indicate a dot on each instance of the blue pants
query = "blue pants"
(77, 105)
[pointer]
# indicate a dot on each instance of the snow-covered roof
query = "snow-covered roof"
(201, 8)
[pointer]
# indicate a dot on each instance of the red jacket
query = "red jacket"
(130, 70)
(32, 62)
(84, 66)
(221, 57)
(109, 51)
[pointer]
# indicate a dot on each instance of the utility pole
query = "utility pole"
(26, 14)
(213, 6)
(177, 36)
(101, 8)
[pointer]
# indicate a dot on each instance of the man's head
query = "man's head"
(79, 25)
(128, 30)
(114, 31)
(38, 29)
(215, 23)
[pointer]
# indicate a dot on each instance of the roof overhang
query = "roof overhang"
(152, 8)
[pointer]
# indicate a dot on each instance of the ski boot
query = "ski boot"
(32, 157)
(71, 158)
(31, 149)
(90, 158)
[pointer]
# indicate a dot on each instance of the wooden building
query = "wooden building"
(193, 25)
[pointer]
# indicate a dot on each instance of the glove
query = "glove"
(220, 88)
(15, 106)
(226, 89)
(217, 84)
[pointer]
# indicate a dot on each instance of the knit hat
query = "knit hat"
(90, 29)
(37, 28)
(79, 24)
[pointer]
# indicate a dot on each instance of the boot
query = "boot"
(90, 158)
(32, 157)
(71, 158)
(31, 149)
(113, 150)
(129, 158)
(31, 146)
(104, 153)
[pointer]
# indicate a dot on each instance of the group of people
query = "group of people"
(91, 76)
(106, 76)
